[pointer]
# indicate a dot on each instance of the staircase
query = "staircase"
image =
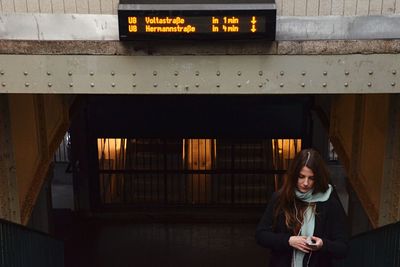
(248, 177)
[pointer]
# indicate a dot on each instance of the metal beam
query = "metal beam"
(266, 74)
(38, 26)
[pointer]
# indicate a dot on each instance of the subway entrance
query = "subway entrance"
(187, 151)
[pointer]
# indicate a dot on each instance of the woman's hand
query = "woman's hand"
(299, 243)
(317, 243)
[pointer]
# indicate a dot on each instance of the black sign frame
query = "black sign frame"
(267, 16)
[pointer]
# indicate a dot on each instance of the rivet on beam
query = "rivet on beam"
(346, 84)
(218, 85)
(393, 84)
(69, 73)
(281, 85)
(197, 85)
(370, 72)
(134, 85)
(91, 73)
(239, 73)
(282, 73)
(176, 73)
(346, 73)
(48, 73)
(154, 73)
(239, 85)
(303, 73)
(176, 85)
(324, 84)
(369, 84)
(218, 73)
(26, 84)
(71, 85)
(303, 84)
(394, 72)
(133, 73)
(260, 85)
(325, 73)
(155, 85)
(112, 73)
(197, 73)
(91, 84)
(260, 73)
(2, 72)
(49, 84)
(113, 85)
(25, 73)
(3, 84)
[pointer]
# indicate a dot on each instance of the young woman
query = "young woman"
(304, 223)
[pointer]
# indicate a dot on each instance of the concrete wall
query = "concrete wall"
(359, 129)
(40, 218)
(342, 119)
(38, 123)
(26, 141)
(372, 150)
(284, 7)
(60, 6)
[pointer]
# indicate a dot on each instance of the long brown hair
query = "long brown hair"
(287, 202)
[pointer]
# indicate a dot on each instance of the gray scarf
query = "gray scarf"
(307, 228)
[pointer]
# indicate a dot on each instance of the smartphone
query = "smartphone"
(311, 243)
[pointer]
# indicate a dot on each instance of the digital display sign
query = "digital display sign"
(196, 21)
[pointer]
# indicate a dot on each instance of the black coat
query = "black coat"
(330, 226)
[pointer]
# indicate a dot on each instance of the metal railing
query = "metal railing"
(22, 247)
(379, 247)
(332, 156)
(63, 152)
(191, 172)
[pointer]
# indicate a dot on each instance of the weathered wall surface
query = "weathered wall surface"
(256, 47)
(284, 7)
(9, 205)
(359, 130)
(60, 6)
(26, 141)
(337, 7)
(342, 129)
(372, 151)
(38, 123)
